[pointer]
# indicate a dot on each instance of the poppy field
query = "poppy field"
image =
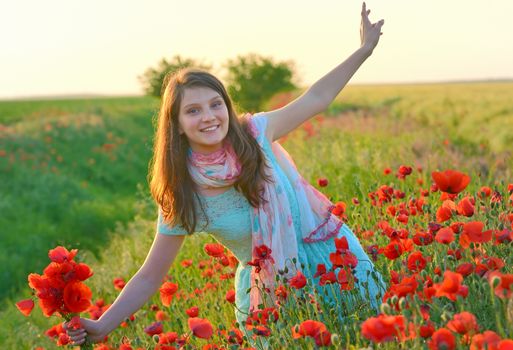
(422, 174)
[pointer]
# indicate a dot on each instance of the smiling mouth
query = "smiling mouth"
(210, 128)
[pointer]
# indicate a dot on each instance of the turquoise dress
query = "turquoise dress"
(230, 224)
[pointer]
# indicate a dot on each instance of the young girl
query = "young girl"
(215, 172)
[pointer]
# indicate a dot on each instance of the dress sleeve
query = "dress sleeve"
(165, 229)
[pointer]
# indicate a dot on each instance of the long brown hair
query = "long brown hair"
(170, 182)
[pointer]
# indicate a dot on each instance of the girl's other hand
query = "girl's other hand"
(90, 329)
(369, 32)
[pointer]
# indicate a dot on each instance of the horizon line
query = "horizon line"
(87, 95)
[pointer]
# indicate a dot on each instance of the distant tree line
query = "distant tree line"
(251, 80)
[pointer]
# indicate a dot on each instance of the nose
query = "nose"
(208, 115)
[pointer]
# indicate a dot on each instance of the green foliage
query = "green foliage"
(253, 79)
(153, 78)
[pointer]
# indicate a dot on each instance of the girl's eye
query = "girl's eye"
(192, 110)
(217, 104)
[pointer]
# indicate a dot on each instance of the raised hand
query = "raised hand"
(369, 32)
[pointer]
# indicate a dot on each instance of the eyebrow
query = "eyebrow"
(193, 104)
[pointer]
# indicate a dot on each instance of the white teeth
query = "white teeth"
(212, 128)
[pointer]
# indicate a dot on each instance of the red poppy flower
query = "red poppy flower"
(233, 336)
(343, 258)
(393, 250)
(230, 296)
(328, 278)
(426, 330)
(445, 235)
(257, 264)
(445, 211)
(345, 278)
(473, 231)
(308, 328)
(50, 301)
(82, 272)
(262, 317)
(298, 281)
(167, 290)
(496, 198)
(484, 191)
(119, 283)
(263, 252)
(323, 338)
(383, 328)
(77, 297)
(451, 181)
(403, 171)
(186, 262)
(463, 323)
(63, 339)
(167, 338)
(323, 182)
(505, 344)
(487, 340)
(341, 244)
(504, 236)
(74, 323)
(201, 328)
(339, 209)
(281, 292)
(416, 262)
(97, 309)
(161, 316)
(442, 339)
(465, 269)
(466, 206)
(423, 238)
(192, 312)
(455, 252)
(407, 286)
(61, 254)
(451, 286)
(215, 250)
(261, 330)
(25, 306)
(314, 329)
(504, 289)
(321, 270)
(58, 274)
(154, 328)
(54, 331)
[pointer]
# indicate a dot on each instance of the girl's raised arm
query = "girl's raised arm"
(319, 96)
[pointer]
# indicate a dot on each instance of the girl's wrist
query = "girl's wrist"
(366, 49)
(103, 327)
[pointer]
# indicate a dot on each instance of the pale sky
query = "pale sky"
(59, 47)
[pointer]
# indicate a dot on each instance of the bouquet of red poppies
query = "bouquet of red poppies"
(60, 289)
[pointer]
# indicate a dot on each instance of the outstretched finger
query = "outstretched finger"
(365, 15)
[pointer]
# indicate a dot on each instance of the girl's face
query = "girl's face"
(203, 118)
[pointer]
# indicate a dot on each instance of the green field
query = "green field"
(74, 173)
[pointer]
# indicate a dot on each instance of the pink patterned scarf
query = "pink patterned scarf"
(273, 231)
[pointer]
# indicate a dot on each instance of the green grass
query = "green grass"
(70, 170)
